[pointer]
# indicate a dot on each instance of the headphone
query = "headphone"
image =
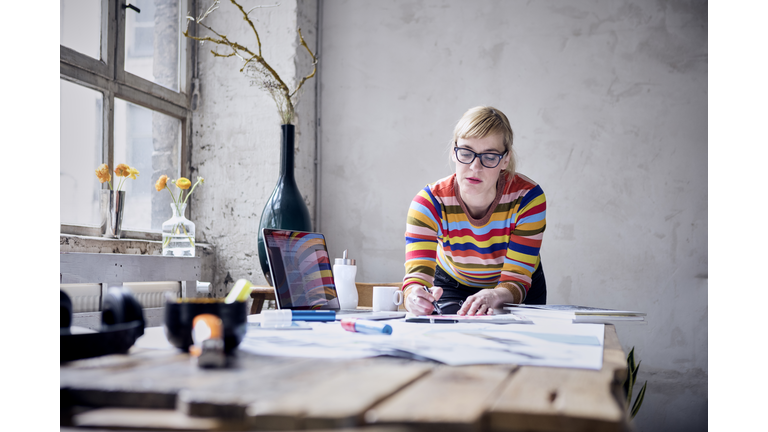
(122, 322)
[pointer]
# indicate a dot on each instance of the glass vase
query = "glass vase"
(178, 234)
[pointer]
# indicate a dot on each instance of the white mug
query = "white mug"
(386, 298)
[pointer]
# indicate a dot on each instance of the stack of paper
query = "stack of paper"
(577, 314)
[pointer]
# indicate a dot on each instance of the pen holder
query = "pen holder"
(180, 314)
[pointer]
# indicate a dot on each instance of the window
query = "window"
(124, 86)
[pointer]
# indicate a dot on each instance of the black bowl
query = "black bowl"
(179, 315)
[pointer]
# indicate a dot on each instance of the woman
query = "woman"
(473, 238)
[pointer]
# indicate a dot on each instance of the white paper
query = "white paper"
(553, 343)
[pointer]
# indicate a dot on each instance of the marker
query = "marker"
(285, 316)
(240, 291)
(432, 320)
(313, 315)
(434, 303)
(363, 326)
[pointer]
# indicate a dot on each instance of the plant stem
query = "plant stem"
(172, 197)
(191, 190)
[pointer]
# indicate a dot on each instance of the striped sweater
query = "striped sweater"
(499, 250)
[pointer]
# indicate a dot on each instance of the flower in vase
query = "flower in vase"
(161, 182)
(103, 174)
(182, 184)
(122, 170)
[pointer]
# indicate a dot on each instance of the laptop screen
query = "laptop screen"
(301, 270)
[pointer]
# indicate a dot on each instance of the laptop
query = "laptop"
(302, 275)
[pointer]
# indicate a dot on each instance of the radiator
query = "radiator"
(87, 297)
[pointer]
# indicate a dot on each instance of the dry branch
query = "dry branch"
(267, 78)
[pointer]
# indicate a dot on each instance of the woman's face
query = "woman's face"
(474, 178)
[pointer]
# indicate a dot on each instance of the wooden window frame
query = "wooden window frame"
(107, 75)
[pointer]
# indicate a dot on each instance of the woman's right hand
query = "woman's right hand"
(419, 302)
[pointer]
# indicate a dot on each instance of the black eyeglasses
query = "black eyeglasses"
(488, 160)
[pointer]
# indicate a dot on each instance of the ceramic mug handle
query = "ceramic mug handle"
(397, 297)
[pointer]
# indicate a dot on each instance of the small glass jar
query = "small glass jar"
(178, 234)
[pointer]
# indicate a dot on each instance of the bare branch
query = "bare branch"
(211, 8)
(245, 17)
(266, 77)
(314, 64)
(224, 55)
(262, 6)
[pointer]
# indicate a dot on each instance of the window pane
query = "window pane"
(80, 154)
(80, 26)
(150, 142)
(152, 41)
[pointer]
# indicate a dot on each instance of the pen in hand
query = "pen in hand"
(434, 303)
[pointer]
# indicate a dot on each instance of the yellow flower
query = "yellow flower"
(183, 183)
(102, 172)
(161, 182)
(133, 172)
(122, 170)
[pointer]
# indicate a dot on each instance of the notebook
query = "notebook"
(302, 276)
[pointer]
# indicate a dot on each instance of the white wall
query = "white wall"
(236, 133)
(608, 100)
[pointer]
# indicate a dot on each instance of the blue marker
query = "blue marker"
(313, 315)
(364, 326)
(285, 316)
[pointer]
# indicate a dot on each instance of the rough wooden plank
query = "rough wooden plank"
(334, 398)
(543, 399)
(262, 378)
(132, 418)
(538, 398)
(613, 354)
(449, 398)
(161, 382)
(86, 382)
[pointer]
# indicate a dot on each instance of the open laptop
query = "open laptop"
(302, 276)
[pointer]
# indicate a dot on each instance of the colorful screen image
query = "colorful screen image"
(301, 270)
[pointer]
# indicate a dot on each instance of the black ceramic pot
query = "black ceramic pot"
(180, 314)
(286, 208)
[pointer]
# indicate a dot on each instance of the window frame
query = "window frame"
(107, 75)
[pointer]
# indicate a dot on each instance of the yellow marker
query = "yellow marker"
(240, 291)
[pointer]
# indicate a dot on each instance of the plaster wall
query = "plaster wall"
(236, 132)
(608, 100)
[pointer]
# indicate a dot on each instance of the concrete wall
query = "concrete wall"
(236, 132)
(608, 100)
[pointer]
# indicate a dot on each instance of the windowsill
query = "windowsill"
(90, 244)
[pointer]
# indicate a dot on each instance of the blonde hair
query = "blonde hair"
(482, 121)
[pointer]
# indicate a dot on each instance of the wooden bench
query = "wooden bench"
(259, 294)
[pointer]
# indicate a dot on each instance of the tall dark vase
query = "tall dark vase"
(285, 208)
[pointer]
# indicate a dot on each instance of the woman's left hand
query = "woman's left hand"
(484, 301)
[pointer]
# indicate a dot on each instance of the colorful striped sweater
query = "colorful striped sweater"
(499, 250)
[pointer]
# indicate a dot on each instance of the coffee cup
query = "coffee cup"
(386, 298)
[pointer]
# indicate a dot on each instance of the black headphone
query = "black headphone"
(122, 322)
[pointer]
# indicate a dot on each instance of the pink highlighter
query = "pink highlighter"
(365, 326)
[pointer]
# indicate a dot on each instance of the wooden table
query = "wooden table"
(164, 389)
